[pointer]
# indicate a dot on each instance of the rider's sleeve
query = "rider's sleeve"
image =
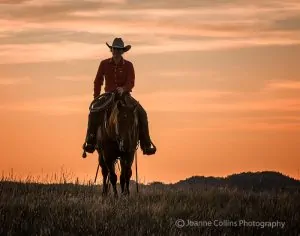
(98, 82)
(130, 78)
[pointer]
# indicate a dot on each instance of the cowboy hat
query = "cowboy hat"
(118, 43)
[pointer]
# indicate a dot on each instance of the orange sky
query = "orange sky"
(220, 82)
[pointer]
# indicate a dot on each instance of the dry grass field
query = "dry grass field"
(74, 209)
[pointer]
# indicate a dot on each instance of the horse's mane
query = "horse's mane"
(112, 124)
(113, 119)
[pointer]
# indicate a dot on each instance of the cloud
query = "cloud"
(46, 3)
(173, 101)
(192, 11)
(74, 104)
(15, 81)
(13, 1)
(201, 101)
(241, 125)
(289, 23)
(275, 85)
(48, 30)
(180, 73)
(239, 15)
(196, 102)
(41, 36)
(18, 53)
(221, 113)
(74, 78)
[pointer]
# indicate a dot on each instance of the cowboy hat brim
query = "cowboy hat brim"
(126, 48)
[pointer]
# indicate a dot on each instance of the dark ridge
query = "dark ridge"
(266, 180)
(202, 180)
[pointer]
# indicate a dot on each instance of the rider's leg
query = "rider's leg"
(145, 139)
(90, 141)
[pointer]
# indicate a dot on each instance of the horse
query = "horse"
(117, 138)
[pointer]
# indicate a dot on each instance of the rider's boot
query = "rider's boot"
(146, 144)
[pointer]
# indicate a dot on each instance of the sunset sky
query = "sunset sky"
(220, 81)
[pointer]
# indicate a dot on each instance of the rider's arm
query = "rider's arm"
(130, 78)
(98, 82)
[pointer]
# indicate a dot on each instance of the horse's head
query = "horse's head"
(123, 125)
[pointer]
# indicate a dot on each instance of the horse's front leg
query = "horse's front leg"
(104, 171)
(122, 179)
(128, 176)
(126, 172)
(104, 183)
(113, 178)
(123, 175)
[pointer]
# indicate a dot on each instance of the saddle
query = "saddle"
(106, 100)
(102, 102)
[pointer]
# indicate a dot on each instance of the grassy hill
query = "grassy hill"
(185, 208)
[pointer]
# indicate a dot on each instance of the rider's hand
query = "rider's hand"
(120, 90)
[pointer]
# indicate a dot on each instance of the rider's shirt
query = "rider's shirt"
(121, 75)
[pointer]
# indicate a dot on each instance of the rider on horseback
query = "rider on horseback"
(119, 76)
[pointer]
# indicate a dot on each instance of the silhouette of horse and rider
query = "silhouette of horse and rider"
(117, 122)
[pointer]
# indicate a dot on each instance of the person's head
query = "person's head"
(117, 48)
(117, 52)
